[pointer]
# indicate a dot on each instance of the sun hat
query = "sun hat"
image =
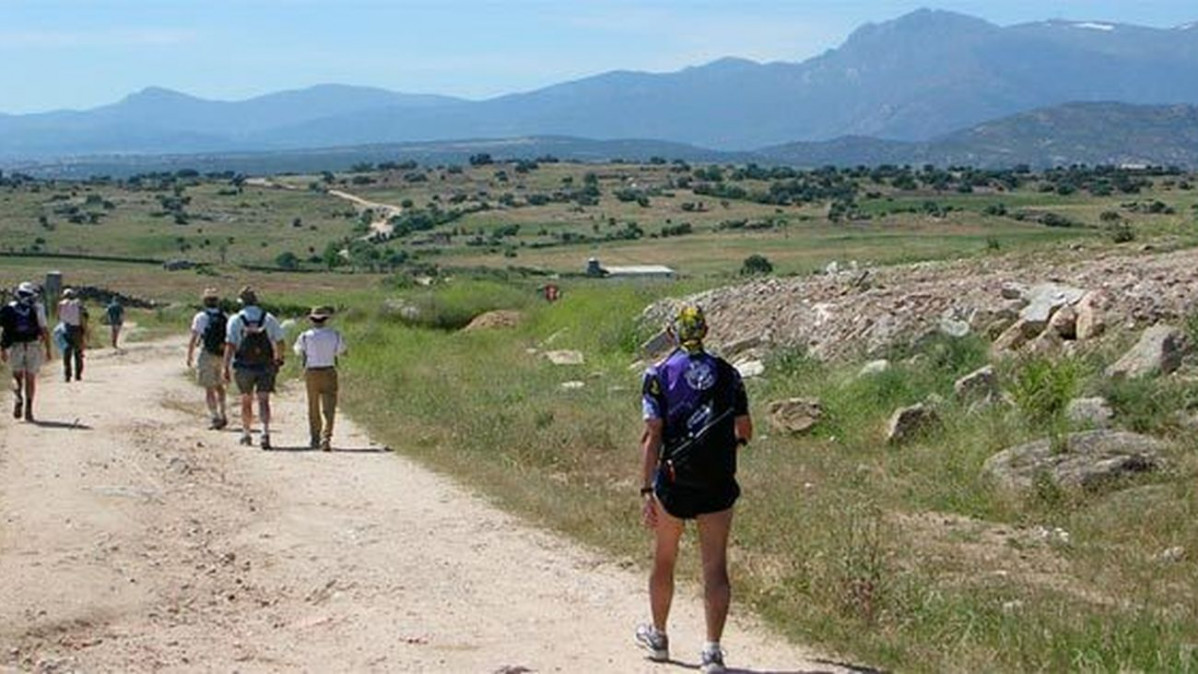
(321, 313)
(210, 294)
(26, 289)
(247, 296)
(68, 292)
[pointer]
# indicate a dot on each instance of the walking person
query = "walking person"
(318, 349)
(73, 317)
(253, 355)
(22, 326)
(115, 314)
(208, 330)
(696, 418)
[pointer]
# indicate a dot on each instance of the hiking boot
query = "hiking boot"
(657, 643)
(265, 444)
(326, 446)
(214, 423)
(18, 406)
(314, 443)
(246, 440)
(220, 423)
(29, 413)
(712, 661)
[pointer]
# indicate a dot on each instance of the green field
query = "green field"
(900, 559)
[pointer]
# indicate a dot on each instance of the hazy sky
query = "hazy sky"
(83, 53)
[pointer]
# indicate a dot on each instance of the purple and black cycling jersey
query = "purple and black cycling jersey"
(698, 396)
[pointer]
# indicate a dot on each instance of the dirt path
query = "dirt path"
(132, 540)
(381, 225)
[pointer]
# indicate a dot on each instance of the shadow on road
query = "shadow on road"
(64, 425)
(344, 450)
(838, 666)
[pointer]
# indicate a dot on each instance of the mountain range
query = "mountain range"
(924, 82)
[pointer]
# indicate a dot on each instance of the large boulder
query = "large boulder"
(1094, 412)
(1159, 351)
(657, 345)
(874, 367)
(981, 383)
(565, 357)
(1044, 300)
(909, 422)
(1091, 314)
(795, 415)
(1064, 323)
(1085, 459)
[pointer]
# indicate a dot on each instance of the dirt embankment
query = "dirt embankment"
(132, 540)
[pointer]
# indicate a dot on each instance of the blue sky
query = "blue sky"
(83, 53)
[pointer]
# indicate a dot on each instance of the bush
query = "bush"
(756, 264)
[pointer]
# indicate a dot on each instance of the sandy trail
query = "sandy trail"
(381, 225)
(133, 540)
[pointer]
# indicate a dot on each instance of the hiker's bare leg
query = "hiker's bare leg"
(666, 536)
(264, 411)
(30, 389)
(247, 412)
(713, 549)
(219, 391)
(210, 398)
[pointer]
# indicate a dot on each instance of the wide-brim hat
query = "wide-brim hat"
(247, 296)
(321, 313)
(68, 292)
(27, 289)
(210, 294)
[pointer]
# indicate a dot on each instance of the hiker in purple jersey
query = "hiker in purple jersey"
(696, 418)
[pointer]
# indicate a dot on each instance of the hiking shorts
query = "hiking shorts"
(253, 379)
(685, 502)
(25, 357)
(209, 368)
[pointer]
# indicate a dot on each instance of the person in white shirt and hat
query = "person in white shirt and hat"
(318, 348)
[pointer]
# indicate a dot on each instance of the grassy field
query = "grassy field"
(898, 558)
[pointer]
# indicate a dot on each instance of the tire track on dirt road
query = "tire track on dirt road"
(132, 540)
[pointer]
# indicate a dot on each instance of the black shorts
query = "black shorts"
(686, 502)
(254, 379)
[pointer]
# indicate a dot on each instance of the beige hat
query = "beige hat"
(210, 294)
(247, 296)
(321, 313)
(68, 292)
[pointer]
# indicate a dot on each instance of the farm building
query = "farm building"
(646, 271)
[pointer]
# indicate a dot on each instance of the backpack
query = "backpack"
(255, 349)
(214, 334)
(24, 323)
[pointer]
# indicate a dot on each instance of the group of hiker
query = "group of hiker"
(694, 407)
(25, 339)
(247, 349)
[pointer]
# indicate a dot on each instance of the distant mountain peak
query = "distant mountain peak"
(154, 94)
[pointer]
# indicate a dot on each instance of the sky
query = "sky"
(79, 54)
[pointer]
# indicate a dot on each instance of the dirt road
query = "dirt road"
(133, 540)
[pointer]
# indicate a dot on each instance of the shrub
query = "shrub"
(756, 264)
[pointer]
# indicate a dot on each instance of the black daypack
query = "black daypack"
(255, 349)
(23, 324)
(214, 334)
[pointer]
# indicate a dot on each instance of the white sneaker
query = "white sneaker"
(712, 661)
(657, 643)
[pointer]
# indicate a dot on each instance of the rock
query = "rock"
(908, 422)
(1044, 300)
(1093, 412)
(981, 383)
(1047, 343)
(1064, 323)
(1010, 340)
(733, 350)
(796, 415)
(1159, 351)
(657, 345)
(571, 385)
(565, 357)
(750, 368)
(1171, 555)
(502, 318)
(874, 367)
(1013, 291)
(1091, 315)
(1086, 459)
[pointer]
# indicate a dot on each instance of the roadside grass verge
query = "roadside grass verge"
(899, 557)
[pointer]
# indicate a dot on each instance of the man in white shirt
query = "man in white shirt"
(208, 330)
(73, 317)
(318, 348)
(254, 352)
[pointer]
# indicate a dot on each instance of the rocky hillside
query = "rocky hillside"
(858, 313)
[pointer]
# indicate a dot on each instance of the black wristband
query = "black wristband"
(645, 491)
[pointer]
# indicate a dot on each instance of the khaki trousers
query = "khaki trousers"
(322, 402)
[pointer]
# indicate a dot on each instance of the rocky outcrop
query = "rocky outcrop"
(907, 423)
(1159, 351)
(981, 383)
(1087, 459)
(1093, 412)
(795, 415)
